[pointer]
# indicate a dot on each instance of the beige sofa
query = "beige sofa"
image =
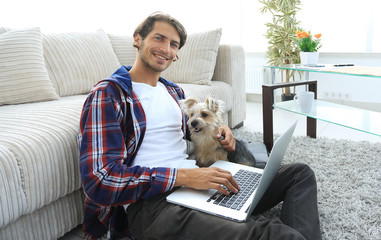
(44, 79)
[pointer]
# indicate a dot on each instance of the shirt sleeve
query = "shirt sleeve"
(106, 177)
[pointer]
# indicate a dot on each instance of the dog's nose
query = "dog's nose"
(194, 123)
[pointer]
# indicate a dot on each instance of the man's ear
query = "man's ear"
(137, 40)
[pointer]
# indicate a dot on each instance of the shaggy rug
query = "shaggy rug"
(348, 175)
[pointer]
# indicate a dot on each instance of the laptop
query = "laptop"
(237, 207)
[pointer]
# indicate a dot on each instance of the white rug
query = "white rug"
(349, 183)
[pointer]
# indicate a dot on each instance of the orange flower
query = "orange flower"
(300, 34)
(303, 34)
(308, 42)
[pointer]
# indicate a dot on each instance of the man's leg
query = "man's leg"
(295, 185)
(157, 219)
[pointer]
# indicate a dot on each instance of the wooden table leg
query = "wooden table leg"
(311, 122)
(267, 109)
(311, 127)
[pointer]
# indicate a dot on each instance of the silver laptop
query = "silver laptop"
(237, 207)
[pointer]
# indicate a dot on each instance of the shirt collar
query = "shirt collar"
(123, 78)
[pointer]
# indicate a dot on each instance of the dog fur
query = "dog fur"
(204, 120)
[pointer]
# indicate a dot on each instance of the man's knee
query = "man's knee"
(301, 169)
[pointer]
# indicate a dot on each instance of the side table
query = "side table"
(267, 107)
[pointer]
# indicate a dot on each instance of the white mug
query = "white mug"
(305, 100)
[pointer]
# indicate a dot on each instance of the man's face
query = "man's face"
(159, 48)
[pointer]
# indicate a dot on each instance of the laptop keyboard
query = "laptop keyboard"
(248, 182)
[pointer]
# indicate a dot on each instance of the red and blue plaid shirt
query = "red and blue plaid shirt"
(112, 128)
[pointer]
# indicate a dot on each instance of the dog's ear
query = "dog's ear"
(188, 103)
(217, 106)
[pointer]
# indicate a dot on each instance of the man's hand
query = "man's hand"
(229, 141)
(207, 178)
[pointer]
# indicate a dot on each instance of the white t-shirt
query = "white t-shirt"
(163, 144)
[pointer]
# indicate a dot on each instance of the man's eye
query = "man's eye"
(174, 45)
(204, 115)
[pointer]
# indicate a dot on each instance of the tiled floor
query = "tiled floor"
(282, 120)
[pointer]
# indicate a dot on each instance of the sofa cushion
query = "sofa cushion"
(4, 29)
(197, 58)
(23, 75)
(217, 89)
(12, 196)
(76, 61)
(123, 48)
(42, 139)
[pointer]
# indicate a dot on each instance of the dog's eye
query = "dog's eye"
(191, 115)
(204, 114)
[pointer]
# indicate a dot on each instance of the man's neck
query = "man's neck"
(141, 74)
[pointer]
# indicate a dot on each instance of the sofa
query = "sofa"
(44, 80)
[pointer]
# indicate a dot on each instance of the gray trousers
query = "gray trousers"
(295, 185)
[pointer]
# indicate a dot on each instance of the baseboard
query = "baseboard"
(253, 97)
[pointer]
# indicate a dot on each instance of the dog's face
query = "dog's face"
(203, 118)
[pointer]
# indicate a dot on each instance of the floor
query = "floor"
(282, 120)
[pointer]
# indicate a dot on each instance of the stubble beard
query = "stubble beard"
(144, 56)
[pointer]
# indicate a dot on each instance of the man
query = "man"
(133, 151)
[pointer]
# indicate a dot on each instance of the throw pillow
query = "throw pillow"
(23, 75)
(4, 29)
(76, 61)
(197, 59)
(124, 49)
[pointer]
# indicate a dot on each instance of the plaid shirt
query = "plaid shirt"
(112, 128)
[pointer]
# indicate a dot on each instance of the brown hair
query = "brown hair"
(147, 25)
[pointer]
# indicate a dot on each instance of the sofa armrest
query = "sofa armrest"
(230, 68)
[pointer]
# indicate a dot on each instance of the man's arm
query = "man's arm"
(207, 178)
(106, 178)
(211, 178)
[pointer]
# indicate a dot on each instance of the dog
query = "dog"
(204, 120)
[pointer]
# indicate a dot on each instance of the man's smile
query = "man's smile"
(161, 57)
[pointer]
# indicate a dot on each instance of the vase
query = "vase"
(309, 58)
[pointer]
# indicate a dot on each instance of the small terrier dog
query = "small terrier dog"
(204, 120)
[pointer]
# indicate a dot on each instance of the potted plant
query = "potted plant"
(308, 45)
(282, 49)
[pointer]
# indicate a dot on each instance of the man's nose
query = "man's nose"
(165, 46)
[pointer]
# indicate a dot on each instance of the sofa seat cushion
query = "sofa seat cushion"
(38, 145)
(12, 196)
(218, 90)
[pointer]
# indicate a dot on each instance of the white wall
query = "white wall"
(345, 25)
(351, 30)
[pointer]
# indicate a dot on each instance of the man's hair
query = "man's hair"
(147, 25)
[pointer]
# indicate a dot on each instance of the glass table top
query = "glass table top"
(351, 117)
(374, 72)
